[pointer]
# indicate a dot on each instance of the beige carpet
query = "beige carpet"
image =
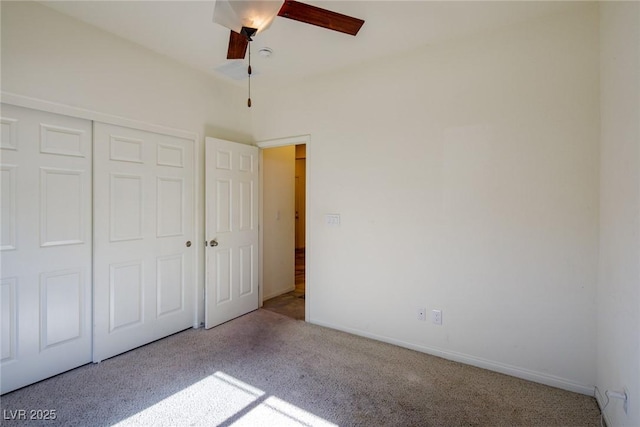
(268, 369)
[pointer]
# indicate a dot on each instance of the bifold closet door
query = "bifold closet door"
(45, 243)
(144, 255)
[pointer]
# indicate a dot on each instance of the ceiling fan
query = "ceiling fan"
(247, 18)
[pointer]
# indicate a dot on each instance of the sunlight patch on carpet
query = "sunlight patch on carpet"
(277, 412)
(222, 399)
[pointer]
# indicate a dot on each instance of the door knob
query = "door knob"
(214, 242)
(188, 243)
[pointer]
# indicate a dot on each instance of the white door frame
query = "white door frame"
(198, 200)
(282, 142)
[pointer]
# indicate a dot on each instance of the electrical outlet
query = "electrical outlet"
(436, 317)
(421, 314)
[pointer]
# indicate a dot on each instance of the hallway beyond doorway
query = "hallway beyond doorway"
(291, 304)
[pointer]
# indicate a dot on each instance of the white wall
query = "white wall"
(466, 176)
(278, 221)
(618, 363)
(49, 56)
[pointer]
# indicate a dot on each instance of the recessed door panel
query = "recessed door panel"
(126, 294)
(170, 278)
(63, 141)
(122, 149)
(9, 133)
(223, 276)
(8, 318)
(126, 202)
(170, 206)
(223, 159)
(61, 207)
(170, 155)
(8, 188)
(245, 209)
(61, 307)
(246, 163)
(224, 206)
(246, 269)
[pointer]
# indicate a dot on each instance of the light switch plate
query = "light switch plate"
(332, 219)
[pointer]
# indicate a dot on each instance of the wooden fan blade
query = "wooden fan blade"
(237, 46)
(321, 17)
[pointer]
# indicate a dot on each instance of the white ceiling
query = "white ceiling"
(184, 30)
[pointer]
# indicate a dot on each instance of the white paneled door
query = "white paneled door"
(231, 230)
(45, 243)
(144, 260)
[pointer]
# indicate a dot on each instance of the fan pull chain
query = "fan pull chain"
(249, 71)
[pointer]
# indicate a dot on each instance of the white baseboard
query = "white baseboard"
(490, 365)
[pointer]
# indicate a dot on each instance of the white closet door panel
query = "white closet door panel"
(144, 272)
(45, 245)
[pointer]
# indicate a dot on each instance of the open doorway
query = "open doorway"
(283, 225)
(301, 215)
